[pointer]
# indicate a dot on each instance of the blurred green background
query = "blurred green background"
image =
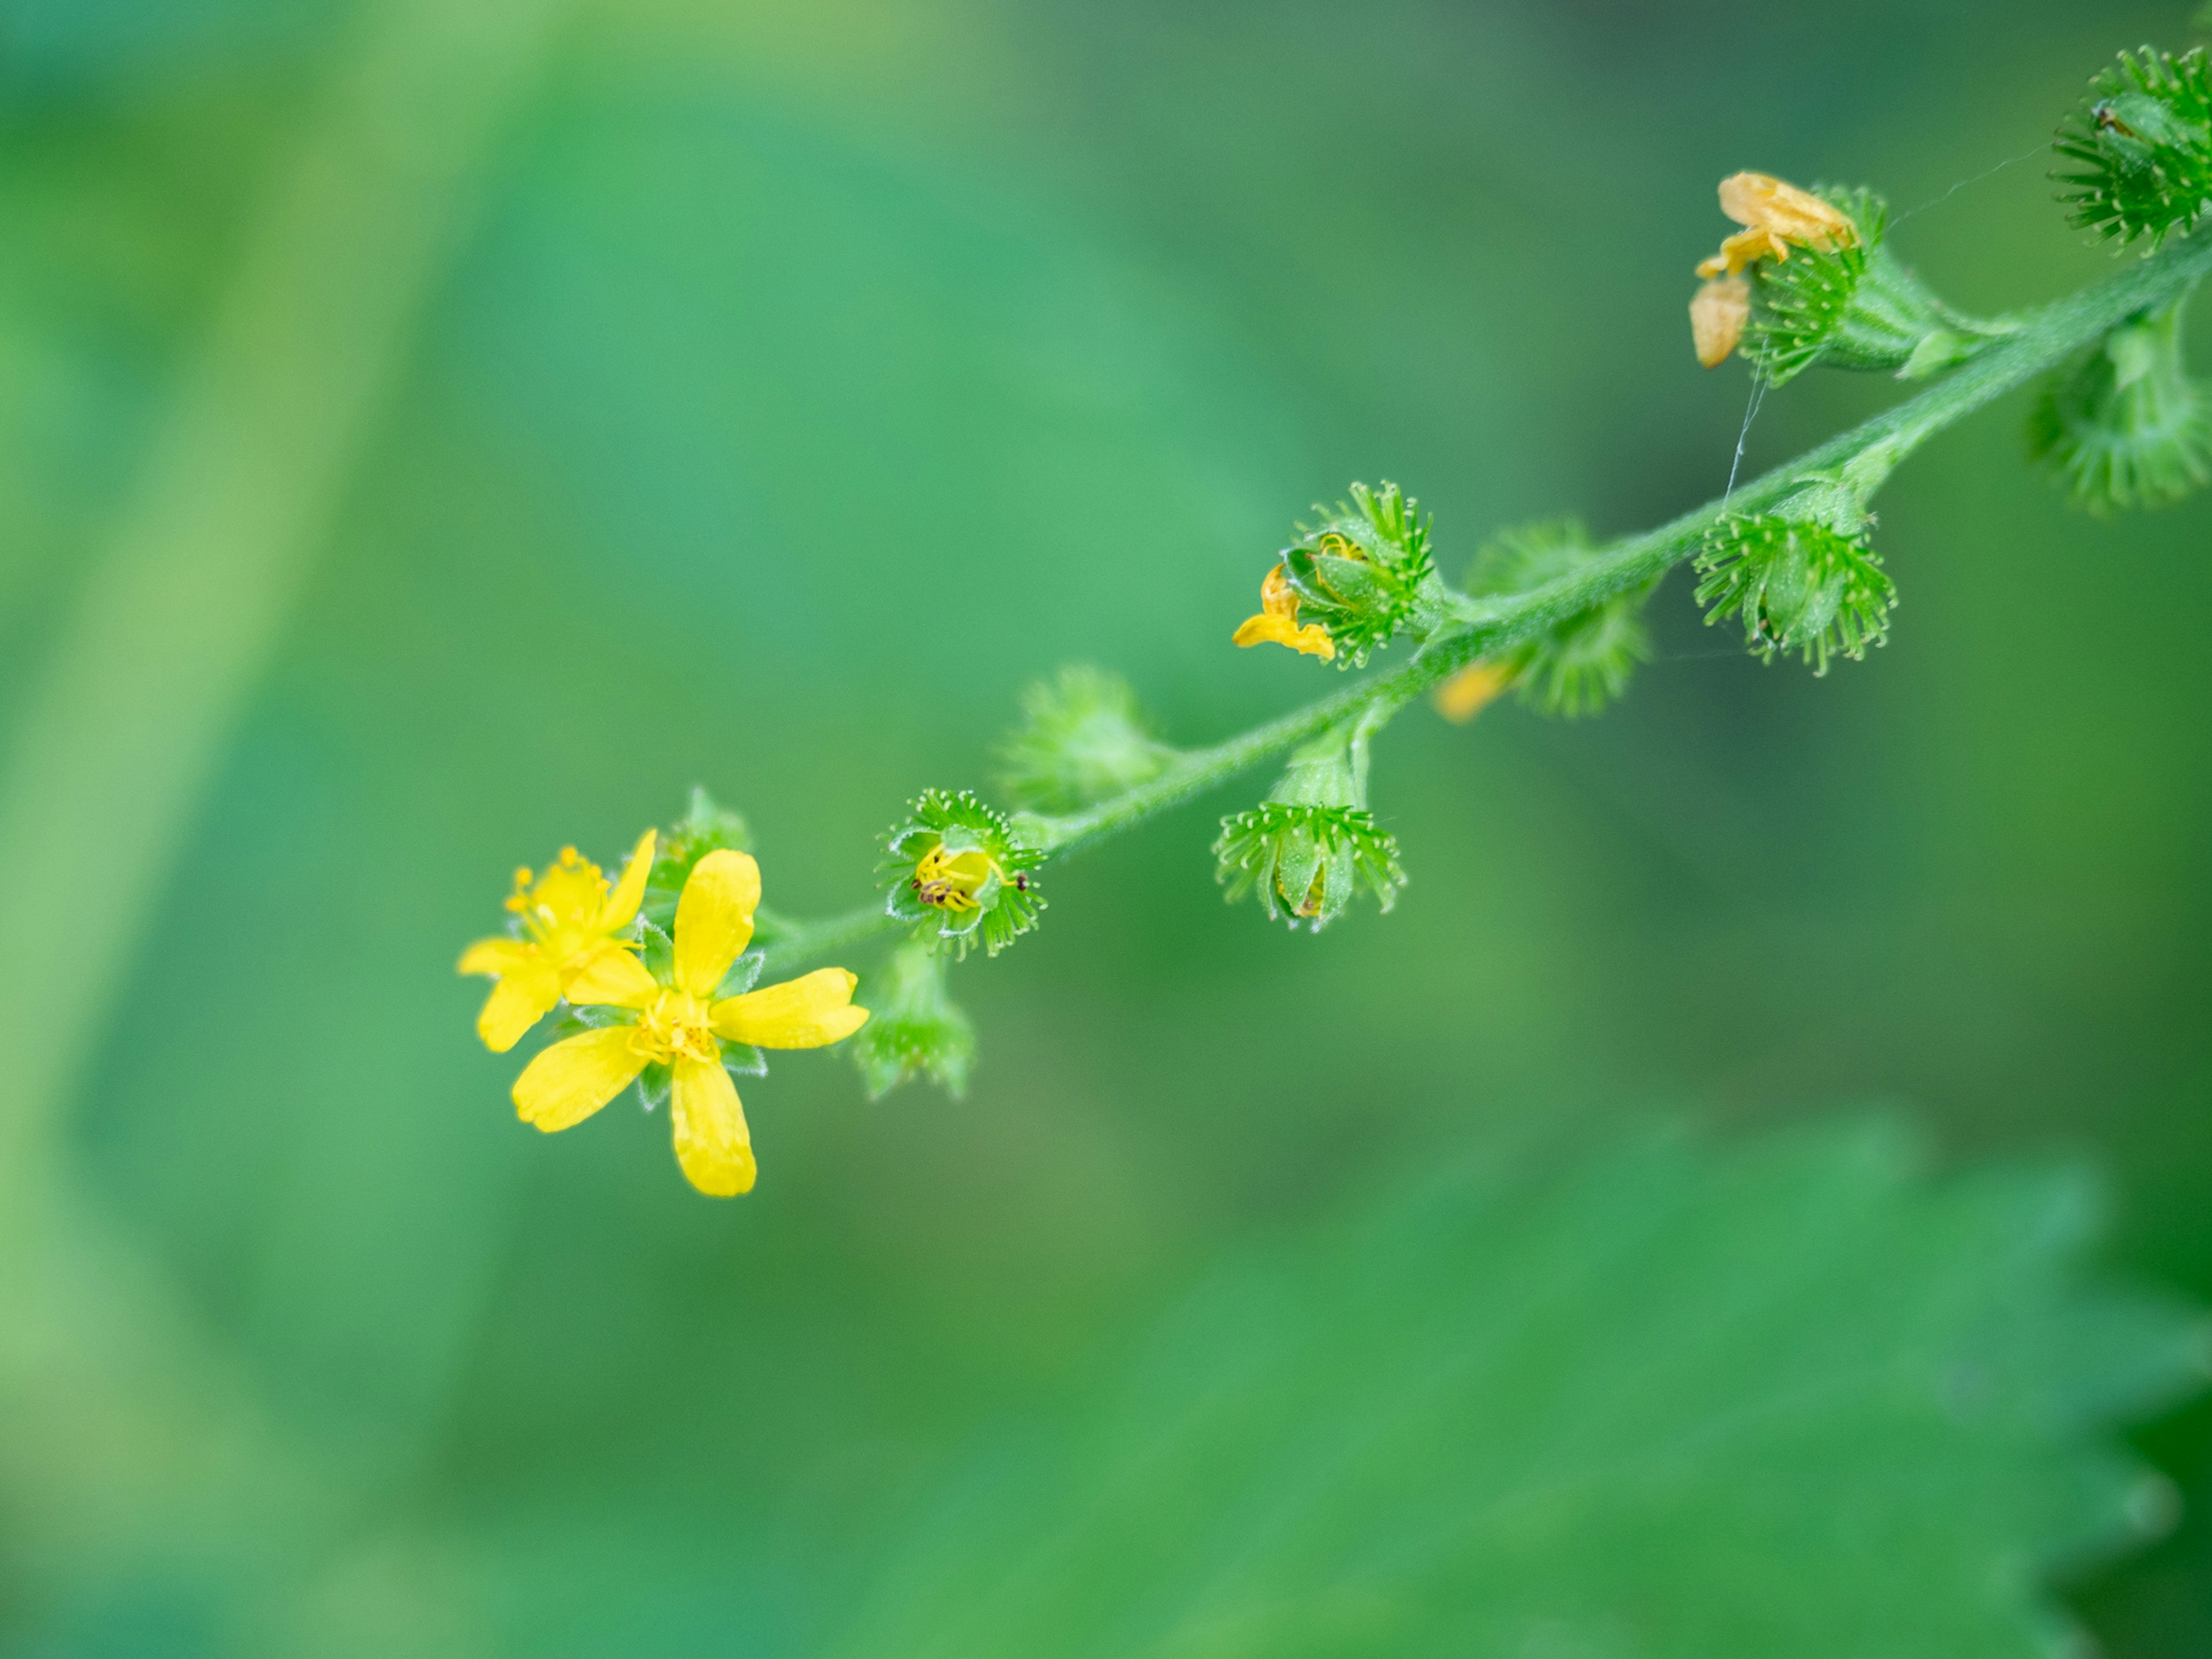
(432, 434)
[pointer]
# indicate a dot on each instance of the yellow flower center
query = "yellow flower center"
(950, 881)
(675, 1025)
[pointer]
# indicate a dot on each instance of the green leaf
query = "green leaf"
(1792, 1398)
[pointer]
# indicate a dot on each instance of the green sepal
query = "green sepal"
(1082, 740)
(1364, 572)
(704, 828)
(1578, 665)
(2143, 147)
(1799, 585)
(745, 974)
(1306, 861)
(1854, 307)
(653, 1085)
(1006, 901)
(742, 1060)
(914, 1029)
(2127, 427)
(658, 954)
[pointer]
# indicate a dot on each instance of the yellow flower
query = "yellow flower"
(1774, 214)
(1718, 317)
(1467, 693)
(1278, 622)
(568, 919)
(950, 881)
(680, 1023)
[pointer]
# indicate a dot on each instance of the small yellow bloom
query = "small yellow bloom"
(1774, 214)
(1278, 622)
(950, 881)
(681, 1025)
(1718, 317)
(1468, 692)
(568, 919)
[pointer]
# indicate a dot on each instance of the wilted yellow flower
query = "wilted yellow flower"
(1278, 622)
(568, 919)
(1774, 214)
(1718, 317)
(680, 1023)
(1471, 691)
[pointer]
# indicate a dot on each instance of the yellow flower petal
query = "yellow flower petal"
(622, 904)
(1717, 317)
(714, 918)
(497, 956)
(1768, 204)
(1467, 693)
(807, 1012)
(612, 977)
(522, 998)
(1312, 640)
(574, 1079)
(712, 1142)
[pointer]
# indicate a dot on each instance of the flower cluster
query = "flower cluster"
(675, 1012)
(955, 871)
(1363, 573)
(1775, 217)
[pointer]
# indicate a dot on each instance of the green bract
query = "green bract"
(914, 1029)
(1083, 739)
(2128, 427)
(954, 869)
(1578, 665)
(2141, 146)
(1855, 307)
(1799, 586)
(1364, 572)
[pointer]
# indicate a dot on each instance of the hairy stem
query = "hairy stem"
(1863, 456)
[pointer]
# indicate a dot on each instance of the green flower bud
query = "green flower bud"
(1853, 306)
(704, 828)
(2128, 427)
(956, 871)
(1083, 741)
(1312, 843)
(1578, 665)
(1799, 584)
(2141, 146)
(914, 1029)
(1364, 573)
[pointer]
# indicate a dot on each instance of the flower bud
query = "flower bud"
(914, 1031)
(1312, 843)
(2142, 147)
(1799, 584)
(2128, 427)
(1578, 665)
(1083, 741)
(954, 869)
(705, 827)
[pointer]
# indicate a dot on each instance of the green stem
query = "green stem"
(1862, 457)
